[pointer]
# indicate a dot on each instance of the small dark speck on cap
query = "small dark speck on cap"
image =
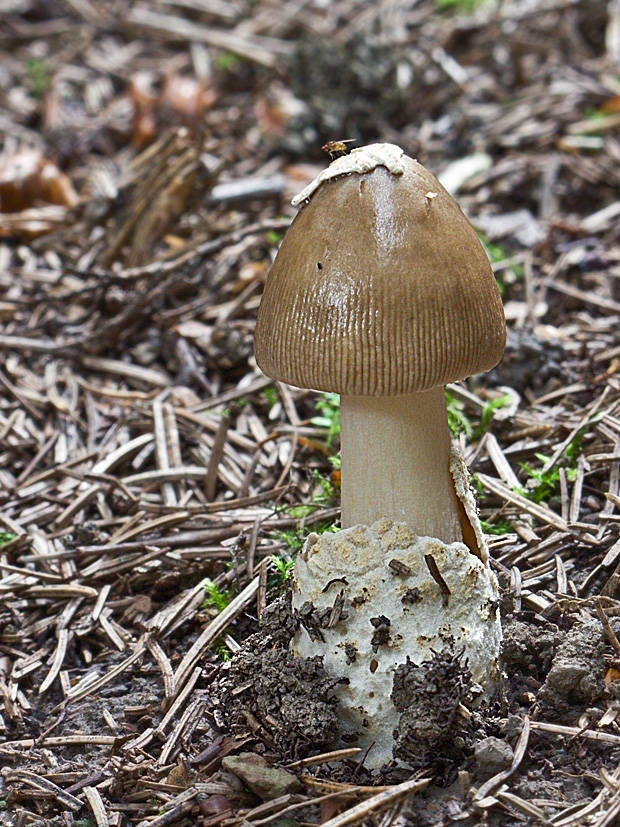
(319, 265)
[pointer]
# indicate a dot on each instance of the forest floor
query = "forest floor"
(155, 486)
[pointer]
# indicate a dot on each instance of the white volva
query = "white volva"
(353, 568)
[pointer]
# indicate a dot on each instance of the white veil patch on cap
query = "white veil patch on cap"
(360, 160)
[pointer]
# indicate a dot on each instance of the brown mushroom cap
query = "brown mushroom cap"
(380, 288)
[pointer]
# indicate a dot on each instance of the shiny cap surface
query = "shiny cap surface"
(381, 287)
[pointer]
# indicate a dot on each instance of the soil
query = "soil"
(289, 700)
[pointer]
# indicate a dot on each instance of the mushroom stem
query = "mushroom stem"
(396, 463)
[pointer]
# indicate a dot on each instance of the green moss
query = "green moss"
(458, 421)
(37, 76)
(274, 237)
(227, 61)
(328, 404)
(295, 538)
(270, 395)
(461, 6)
(216, 597)
(498, 528)
(497, 253)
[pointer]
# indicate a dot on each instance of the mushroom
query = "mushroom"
(382, 292)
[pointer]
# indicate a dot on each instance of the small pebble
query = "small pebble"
(493, 755)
